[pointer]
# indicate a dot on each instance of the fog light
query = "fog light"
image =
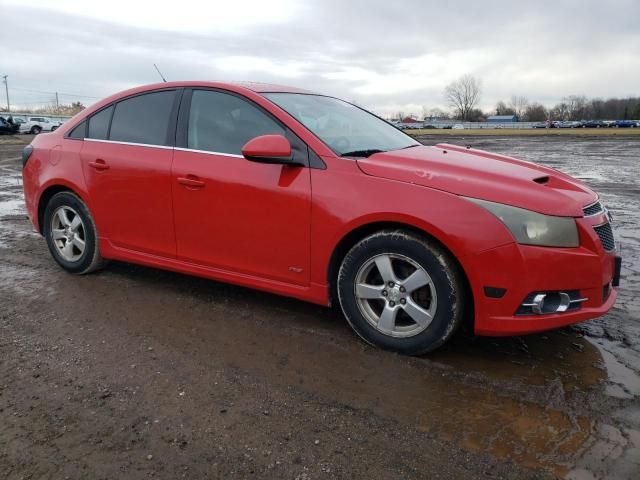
(543, 303)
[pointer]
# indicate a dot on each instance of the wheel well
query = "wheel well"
(353, 237)
(44, 201)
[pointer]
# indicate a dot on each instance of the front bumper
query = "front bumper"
(523, 269)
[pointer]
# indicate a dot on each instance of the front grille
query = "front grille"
(593, 209)
(605, 232)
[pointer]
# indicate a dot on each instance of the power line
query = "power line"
(54, 93)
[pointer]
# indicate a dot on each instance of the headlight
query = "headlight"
(531, 228)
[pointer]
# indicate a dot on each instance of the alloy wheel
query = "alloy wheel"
(395, 295)
(68, 233)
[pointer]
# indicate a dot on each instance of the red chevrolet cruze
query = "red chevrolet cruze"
(309, 196)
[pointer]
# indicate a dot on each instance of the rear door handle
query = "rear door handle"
(191, 181)
(99, 164)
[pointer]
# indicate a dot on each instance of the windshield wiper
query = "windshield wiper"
(411, 146)
(362, 153)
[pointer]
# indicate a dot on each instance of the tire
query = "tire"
(72, 241)
(427, 292)
(53, 129)
(36, 130)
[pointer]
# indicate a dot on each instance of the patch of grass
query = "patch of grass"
(15, 139)
(529, 132)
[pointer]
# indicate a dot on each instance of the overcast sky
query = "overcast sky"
(387, 55)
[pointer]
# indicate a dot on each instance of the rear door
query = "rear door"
(230, 213)
(127, 165)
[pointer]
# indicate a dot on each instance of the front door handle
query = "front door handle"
(99, 164)
(191, 181)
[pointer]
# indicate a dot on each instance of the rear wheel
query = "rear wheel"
(71, 234)
(401, 292)
(36, 130)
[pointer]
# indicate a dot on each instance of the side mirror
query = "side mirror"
(269, 149)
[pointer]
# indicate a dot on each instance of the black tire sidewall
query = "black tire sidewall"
(87, 258)
(439, 267)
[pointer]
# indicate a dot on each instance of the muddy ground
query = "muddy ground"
(139, 373)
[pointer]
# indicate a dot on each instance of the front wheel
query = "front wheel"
(71, 234)
(401, 292)
(36, 130)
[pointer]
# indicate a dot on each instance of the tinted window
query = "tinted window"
(143, 119)
(79, 131)
(99, 124)
(220, 122)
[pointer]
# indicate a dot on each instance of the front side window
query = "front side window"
(99, 124)
(221, 122)
(345, 128)
(143, 119)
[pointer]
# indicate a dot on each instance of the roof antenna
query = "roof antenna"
(160, 73)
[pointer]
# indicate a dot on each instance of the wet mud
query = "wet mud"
(139, 373)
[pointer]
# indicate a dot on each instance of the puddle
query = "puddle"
(12, 207)
(622, 381)
(532, 360)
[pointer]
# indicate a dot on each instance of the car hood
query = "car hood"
(483, 175)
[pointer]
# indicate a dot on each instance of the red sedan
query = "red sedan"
(309, 196)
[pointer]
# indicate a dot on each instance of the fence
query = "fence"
(472, 125)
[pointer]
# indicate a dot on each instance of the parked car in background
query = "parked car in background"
(543, 125)
(625, 124)
(250, 184)
(36, 125)
(8, 126)
(594, 124)
(458, 126)
(569, 124)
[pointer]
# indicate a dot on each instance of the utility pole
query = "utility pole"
(6, 89)
(57, 103)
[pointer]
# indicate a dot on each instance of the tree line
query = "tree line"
(463, 96)
(62, 109)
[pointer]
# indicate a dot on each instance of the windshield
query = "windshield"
(345, 128)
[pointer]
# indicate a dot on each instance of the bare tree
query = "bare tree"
(438, 113)
(535, 112)
(576, 106)
(502, 109)
(519, 105)
(463, 95)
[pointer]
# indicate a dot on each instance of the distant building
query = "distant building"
(502, 118)
(409, 120)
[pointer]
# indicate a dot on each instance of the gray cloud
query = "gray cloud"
(386, 55)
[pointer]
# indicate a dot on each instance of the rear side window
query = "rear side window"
(99, 124)
(221, 122)
(79, 132)
(143, 119)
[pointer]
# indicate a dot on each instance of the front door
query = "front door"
(233, 214)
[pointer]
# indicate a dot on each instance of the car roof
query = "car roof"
(256, 87)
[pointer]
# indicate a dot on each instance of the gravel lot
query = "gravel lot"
(139, 373)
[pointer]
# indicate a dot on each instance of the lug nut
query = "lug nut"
(402, 289)
(403, 301)
(392, 304)
(384, 293)
(391, 284)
